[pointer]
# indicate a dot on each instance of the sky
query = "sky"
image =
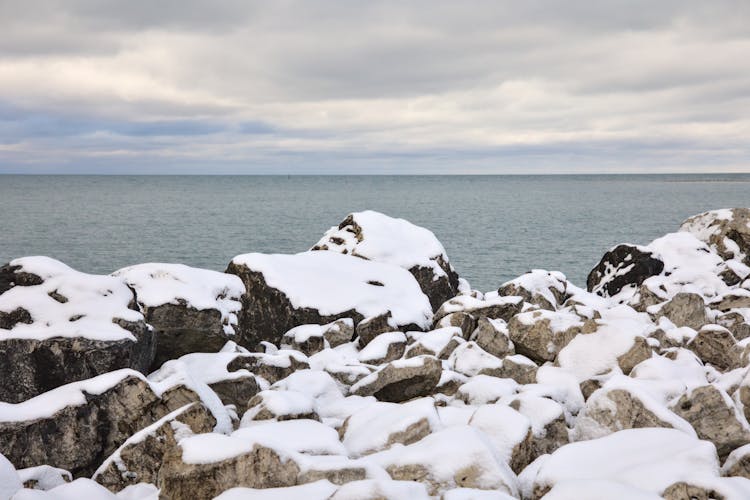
(374, 87)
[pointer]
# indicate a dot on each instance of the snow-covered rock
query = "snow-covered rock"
(726, 231)
(539, 287)
(284, 291)
(401, 380)
(378, 237)
(58, 325)
(191, 309)
(541, 334)
(623, 266)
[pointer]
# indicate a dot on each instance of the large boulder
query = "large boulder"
(375, 236)
(76, 426)
(622, 266)
(401, 380)
(541, 334)
(284, 291)
(58, 326)
(726, 231)
(546, 289)
(191, 309)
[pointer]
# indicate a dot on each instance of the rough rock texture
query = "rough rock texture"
(503, 309)
(236, 391)
(541, 288)
(492, 336)
(716, 345)
(465, 321)
(536, 335)
(727, 232)
(640, 351)
(622, 266)
(139, 459)
(369, 328)
(271, 367)
(713, 416)
(181, 329)
(685, 309)
(86, 434)
(401, 380)
(260, 468)
(361, 234)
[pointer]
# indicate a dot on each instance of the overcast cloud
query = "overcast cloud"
(93, 86)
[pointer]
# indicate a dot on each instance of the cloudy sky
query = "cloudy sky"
(326, 86)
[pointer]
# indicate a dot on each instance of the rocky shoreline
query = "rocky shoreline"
(366, 368)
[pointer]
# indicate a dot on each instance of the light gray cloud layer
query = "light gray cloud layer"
(374, 87)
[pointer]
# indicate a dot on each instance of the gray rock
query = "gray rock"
(465, 321)
(685, 309)
(492, 336)
(535, 334)
(272, 367)
(716, 345)
(541, 288)
(369, 328)
(401, 380)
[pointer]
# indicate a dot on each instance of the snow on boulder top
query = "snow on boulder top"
(333, 283)
(726, 231)
(68, 303)
(157, 284)
(378, 237)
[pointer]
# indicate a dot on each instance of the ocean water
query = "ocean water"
(493, 227)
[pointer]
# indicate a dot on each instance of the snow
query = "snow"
(597, 489)
(319, 490)
(334, 283)
(10, 482)
(445, 453)
(388, 240)
(482, 389)
(303, 333)
(369, 429)
(370, 488)
(74, 394)
(559, 321)
(734, 457)
(157, 284)
(378, 347)
(92, 303)
(76, 490)
(541, 282)
(45, 476)
(504, 426)
(539, 410)
(469, 303)
(436, 340)
(470, 359)
(650, 459)
(280, 403)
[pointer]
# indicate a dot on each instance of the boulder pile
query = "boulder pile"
(365, 368)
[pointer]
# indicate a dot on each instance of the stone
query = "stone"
(737, 299)
(45, 340)
(369, 328)
(339, 332)
(271, 367)
(539, 287)
(517, 367)
(495, 308)
(103, 413)
(308, 339)
(685, 309)
(736, 323)
(492, 336)
(385, 347)
(737, 463)
(320, 288)
(401, 380)
(465, 321)
(236, 391)
(624, 265)
(439, 343)
(726, 231)
(374, 236)
(261, 467)
(541, 335)
(713, 415)
(44, 477)
(686, 491)
(280, 405)
(714, 344)
(640, 351)
(139, 459)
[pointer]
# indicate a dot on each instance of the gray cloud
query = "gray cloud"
(336, 86)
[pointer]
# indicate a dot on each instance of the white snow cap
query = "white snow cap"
(389, 240)
(68, 303)
(156, 284)
(333, 283)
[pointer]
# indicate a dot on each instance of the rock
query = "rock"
(375, 236)
(684, 490)
(401, 380)
(381, 425)
(465, 321)
(458, 456)
(640, 351)
(449, 382)
(540, 335)
(548, 428)
(191, 309)
(439, 343)
(736, 323)
(715, 345)
(737, 463)
(492, 336)
(736, 299)
(237, 391)
(508, 431)
(517, 367)
(261, 467)
(318, 490)
(44, 477)
(684, 309)
(624, 265)
(469, 359)
(339, 332)
(485, 389)
(539, 287)
(271, 367)
(619, 405)
(280, 405)
(384, 348)
(726, 231)
(307, 339)
(284, 291)
(495, 308)
(139, 459)
(60, 326)
(369, 328)
(714, 417)
(75, 427)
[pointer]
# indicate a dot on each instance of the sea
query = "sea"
(493, 228)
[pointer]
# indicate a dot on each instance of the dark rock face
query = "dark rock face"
(622, 266)
(79, 437)
(31, 367)
(397, 381)
(181, 329)
(271, 370)
(437, 290)
(11, 276)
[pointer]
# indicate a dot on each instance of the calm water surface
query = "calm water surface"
(493, 227)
